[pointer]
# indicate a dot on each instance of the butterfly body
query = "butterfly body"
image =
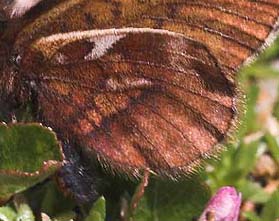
(139, 84)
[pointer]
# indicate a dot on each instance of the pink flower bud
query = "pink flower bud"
(223, 206)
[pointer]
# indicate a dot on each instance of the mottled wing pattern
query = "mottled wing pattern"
(231, 30)
(138, 97)
(161, 95)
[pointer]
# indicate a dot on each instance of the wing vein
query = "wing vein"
(205, 29)
(224, 10)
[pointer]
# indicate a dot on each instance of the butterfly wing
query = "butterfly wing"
(231, 30)
(149, 98)
(15, 8)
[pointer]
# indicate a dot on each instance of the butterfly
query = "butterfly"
(140, 84)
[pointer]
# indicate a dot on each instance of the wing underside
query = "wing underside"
(161, 95)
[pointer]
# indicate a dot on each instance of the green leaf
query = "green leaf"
(7, 214)
(251, 216)
(271, 209)
(67, 216)
(29, 153)
(261, 70)
(24, 213)
(234, 166)
(54, 203)
(220, 169)
(273, 146)
(98, 211)
(244, 160)
(175, 201)
(276, 106)
(271, 52)
(253, 191)
(248, 123)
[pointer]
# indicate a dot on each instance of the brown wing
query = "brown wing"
(138, 98)
(231, 30)
(146, 98)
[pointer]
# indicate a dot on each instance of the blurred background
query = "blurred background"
(251, 162)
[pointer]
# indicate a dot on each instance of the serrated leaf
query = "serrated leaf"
(29, 153)
(175, 201)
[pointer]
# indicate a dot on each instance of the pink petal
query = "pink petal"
(223, 206)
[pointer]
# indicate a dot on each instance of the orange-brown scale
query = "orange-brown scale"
(61, 88)
(262, 14)
(85, 126)
(95, 117)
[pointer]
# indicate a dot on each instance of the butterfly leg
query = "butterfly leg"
(127, 210)
(140, 190)
(77, 178)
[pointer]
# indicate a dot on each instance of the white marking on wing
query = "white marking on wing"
(20, 7)
(102, 44)
(127, 83)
